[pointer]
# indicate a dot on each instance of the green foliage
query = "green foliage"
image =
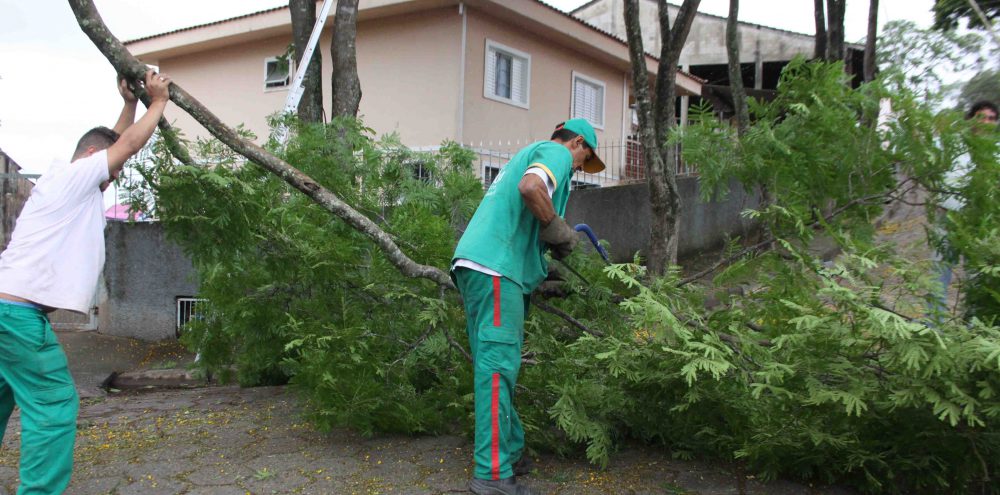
(830, 371)
(919, 59)
(948, 13)
(297, 295)
(782, 362)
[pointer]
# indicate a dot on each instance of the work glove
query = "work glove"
(560, 237)
(554, 285)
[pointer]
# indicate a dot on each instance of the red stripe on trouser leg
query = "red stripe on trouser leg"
(496, 426)
(496, 301)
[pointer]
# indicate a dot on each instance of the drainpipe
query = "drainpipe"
(685, 100)
(758, 64)
(615, 10)
(460, 130)
(626, 123)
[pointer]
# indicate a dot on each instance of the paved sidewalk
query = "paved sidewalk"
(227, 440)
(233, 441)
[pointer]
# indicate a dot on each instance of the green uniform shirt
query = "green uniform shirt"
(503, 234)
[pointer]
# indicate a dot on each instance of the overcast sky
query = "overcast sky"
(54, 84)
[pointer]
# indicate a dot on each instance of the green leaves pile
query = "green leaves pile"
(827, 370)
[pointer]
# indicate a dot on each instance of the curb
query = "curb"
(146, 379)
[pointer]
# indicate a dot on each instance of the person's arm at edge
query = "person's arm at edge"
(135, 136)
(127, 116)
(536, 197)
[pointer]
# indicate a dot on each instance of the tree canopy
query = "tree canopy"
(949, 13)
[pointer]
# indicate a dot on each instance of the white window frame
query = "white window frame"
(488, 89)
(604, 97)
(291, 72)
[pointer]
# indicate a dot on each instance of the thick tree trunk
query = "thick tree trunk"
(661, 158)
(93, 26)
(870, 40)
(346, 85)
(303, 13)
(647, 127)
(735, 73)
(671, 44)
(819, 52)
(656, 122)
(835, 29)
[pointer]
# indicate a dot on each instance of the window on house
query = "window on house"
(420, 170)
(508, 74)
(277, 73)
(501, 86)
(490, 174)
(588, 99)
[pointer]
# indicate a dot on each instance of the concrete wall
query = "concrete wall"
(621, 214)
(408, 67)
(706, 44)
(143, 275)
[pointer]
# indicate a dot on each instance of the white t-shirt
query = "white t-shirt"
(56, 251)
(472, 265)
(957, 178)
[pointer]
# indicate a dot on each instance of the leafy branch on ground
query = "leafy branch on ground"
(831, 370)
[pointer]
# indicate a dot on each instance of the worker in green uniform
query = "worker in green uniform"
(498, 263)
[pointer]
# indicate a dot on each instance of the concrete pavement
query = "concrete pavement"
(233, 441)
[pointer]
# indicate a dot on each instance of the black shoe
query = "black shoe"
(523, 466)
(506, 486)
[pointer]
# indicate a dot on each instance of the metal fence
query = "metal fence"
(188, 310)
(15, 188)
(624, 161)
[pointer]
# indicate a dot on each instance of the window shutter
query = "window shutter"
(588, 101)
(579, 100)
(518, 80)
(491, 71)
(598, 115)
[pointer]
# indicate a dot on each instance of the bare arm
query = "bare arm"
(536, 197)
(135, 136)
(127, 117)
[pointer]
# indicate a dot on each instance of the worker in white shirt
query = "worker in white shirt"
(984, 113)
(53, 261)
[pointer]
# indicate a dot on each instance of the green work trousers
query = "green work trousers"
(34, 375)
(495, 308)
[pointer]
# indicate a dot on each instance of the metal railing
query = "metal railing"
(187, 310)
(624, 161)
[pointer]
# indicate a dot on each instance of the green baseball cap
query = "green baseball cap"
(583, 128)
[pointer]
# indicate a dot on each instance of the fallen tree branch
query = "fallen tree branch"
(725, 337)
(455, 345)
(169, 136)
(167, 132)
(565, 316)
(93, 26)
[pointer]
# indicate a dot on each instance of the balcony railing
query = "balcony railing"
(624, 161)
